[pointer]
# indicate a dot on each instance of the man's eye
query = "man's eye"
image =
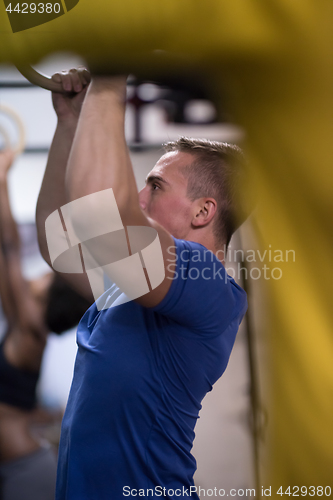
(155, 186)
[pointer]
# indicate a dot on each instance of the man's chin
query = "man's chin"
(164, 225)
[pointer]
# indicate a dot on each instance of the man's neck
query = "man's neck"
(208, 241)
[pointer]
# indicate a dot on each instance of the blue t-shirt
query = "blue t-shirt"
(140, 376)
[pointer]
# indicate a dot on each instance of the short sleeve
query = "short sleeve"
(202, 296)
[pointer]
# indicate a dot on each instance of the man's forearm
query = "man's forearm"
(53, 194)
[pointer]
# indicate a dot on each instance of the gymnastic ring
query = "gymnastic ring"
(39, 79)
(18, 122)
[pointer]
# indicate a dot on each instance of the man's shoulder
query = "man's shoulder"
(194, 252)
(202, 295)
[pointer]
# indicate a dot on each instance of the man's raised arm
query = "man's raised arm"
(99, 158)
(52, 194)
(103, 199)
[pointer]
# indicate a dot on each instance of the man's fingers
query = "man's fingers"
(74, 80)
(56, 77)
(85, 74)
(66, 81)
(63, 78)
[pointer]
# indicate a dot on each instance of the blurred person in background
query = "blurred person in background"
(32, 309)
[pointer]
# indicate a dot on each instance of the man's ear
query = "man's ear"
(204, 211)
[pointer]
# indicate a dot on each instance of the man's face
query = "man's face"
(164, 197)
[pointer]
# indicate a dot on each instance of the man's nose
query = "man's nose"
(143, 198)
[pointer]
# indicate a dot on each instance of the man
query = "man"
(143, 366)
